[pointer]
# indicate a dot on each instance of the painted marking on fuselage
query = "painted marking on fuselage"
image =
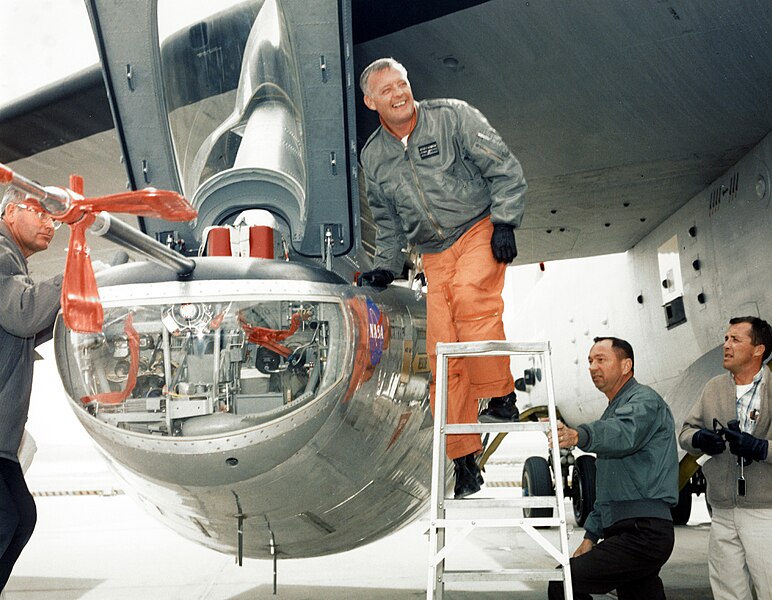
(421, 363)
(407, 361)
(374, 332)
(403, 419)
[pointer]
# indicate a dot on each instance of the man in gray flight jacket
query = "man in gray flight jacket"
(636, 484)
(439, 176)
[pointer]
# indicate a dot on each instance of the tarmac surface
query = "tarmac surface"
(92, 542)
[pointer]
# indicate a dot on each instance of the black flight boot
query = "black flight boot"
(466, 480)
(471, 462)
(500, 409)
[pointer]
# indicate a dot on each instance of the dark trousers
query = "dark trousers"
(18, 516)
(628, 560)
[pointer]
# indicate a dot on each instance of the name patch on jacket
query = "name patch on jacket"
(428, 150)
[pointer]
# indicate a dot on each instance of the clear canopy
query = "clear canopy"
(203, 368)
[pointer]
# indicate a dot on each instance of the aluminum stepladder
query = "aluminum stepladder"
(438, 519)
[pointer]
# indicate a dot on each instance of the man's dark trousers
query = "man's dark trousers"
(628, 560)
(18, 516)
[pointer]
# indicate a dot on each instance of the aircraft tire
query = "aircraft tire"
(583, 488)
(537, 481)
(681, 511)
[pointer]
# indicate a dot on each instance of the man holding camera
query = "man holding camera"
(734, 412)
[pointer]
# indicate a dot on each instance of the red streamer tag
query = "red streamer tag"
(149, 202)
(80, 297)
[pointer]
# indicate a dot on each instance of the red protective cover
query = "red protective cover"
(269, 338)
(80, 297)
(219, 242)
(261, 242)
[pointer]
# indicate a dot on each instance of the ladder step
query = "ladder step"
(493, 346)
(504, 575)
(497, 427)
(499, 523)
(481, 504)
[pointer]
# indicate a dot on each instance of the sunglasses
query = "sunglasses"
(43, 217)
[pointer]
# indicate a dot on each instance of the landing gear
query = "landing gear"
(696, 485)
(583, 487)
(683, 510)
(537, 481)
(578, 476)
(577, 473)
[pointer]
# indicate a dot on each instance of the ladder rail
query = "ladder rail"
(434, 587)
(555, 452)
(438, 523)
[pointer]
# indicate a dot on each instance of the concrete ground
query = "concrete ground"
(91, 545)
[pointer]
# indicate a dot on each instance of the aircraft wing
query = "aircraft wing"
(77, 107)
(619, 113)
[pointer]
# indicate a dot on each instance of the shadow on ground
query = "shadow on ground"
(287, 592)
(55, 588)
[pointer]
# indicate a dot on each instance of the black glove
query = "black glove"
(378, 278)
(745, 445)
(708, 441)
(503, 243)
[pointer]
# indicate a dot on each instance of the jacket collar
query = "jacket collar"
(413, 124)
(766, 373)
(6, 233)
(623, 390)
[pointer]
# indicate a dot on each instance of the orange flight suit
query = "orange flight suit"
(464, 304)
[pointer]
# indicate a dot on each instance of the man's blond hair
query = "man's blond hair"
(379, 65)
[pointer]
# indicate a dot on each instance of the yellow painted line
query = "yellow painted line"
(46, 494)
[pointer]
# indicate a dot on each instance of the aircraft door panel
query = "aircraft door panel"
(669, 261)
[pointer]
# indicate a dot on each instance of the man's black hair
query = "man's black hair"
(622, 348)
(761, 333)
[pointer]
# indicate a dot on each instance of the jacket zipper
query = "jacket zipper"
(487, 149)
(429, 215)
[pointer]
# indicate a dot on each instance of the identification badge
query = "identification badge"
(428, 150)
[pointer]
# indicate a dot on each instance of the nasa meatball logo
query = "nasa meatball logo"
(374, 332)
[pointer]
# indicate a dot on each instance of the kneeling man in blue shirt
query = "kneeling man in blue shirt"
(629, 533)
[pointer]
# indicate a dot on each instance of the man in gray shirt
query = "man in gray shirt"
(27, 313)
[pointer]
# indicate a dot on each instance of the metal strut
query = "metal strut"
(240, 516)
(275, 556)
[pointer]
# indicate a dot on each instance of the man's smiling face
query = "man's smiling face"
(391, 97)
